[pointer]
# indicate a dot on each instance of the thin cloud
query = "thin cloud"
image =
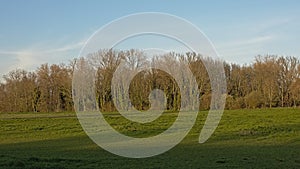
(66, 48)
(243, 50)
(253, 38)
(4, 52)
(25, 60)
(251, 41)
(29, 59)
(270, 24)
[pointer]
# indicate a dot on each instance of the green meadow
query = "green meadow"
(257, 138)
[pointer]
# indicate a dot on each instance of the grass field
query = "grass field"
(262, 138)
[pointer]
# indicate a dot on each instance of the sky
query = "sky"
(34, 32)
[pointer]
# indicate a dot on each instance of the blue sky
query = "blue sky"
(53, 31)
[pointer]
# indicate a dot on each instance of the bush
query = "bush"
(253, 100)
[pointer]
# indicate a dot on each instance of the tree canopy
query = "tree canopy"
(270, 81)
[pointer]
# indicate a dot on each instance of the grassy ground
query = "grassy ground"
(264, 138)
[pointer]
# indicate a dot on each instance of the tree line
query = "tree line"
(270, 81)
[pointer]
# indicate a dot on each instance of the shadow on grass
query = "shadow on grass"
(81, 152)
